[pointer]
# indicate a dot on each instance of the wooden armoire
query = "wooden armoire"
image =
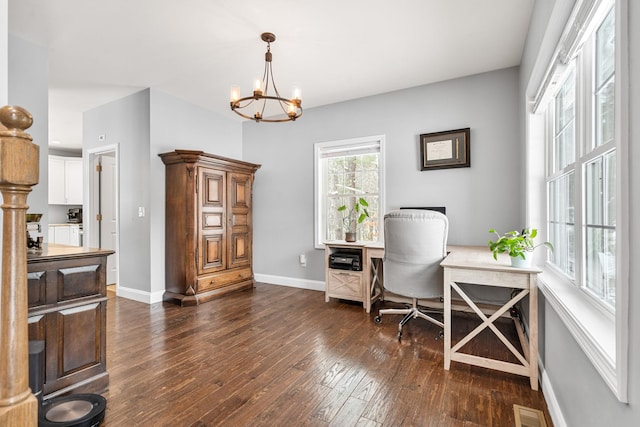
(208, 230)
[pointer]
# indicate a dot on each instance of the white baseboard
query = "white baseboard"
(550, 397)
(315, 285)
(154, 297)
(138, 295)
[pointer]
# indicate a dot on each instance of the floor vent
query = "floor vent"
(528, 417)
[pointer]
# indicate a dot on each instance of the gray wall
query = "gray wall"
(283, 197)
(176, 124)
(28, 88)
(4, 58)
(583, 397)
(143, 125)
(4, 75)
(126, 123)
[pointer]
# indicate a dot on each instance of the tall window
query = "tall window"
(600, 173)
(345, 172)
(582, 168)
(580, 110)
(561, 163)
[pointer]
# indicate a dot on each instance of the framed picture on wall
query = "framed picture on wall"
(448, 149)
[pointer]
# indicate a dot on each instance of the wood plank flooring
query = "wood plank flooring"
(279, 356)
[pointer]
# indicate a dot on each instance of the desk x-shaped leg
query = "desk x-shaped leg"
(375, 290)
(522, 369)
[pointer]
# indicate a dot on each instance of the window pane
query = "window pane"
(348, 178)
(564, 143)
(562, 223)
(605, 113)
(593, 199)
(610, 188)
(604, 82)
(600, 237)
(605, 50)
(370, 181)
(600, 274)
(368, 230)
(600, 197)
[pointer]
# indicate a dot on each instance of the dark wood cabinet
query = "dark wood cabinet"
(208, 226)
(68, 310)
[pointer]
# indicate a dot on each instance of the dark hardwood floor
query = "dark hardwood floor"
(279, 356)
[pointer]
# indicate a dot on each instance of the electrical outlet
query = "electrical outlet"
(303, 260)
(141, 211)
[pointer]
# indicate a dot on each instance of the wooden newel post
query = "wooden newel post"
(19, 168)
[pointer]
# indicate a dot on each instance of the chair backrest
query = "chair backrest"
(415, 242)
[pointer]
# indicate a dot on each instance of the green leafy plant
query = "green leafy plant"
(355, 215)
(516, 244)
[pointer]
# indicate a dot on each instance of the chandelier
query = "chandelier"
(265, 107)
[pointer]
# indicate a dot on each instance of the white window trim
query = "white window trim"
(317, 190)
(603, 337)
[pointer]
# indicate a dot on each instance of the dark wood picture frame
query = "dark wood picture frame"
(443, 150)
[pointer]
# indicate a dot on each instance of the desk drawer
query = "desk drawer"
(345, 284)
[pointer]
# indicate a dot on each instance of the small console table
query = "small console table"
(364, 285)
(474, 265)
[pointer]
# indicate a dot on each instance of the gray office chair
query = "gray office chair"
(415, 242)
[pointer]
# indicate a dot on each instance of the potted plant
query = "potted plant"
(353, 216)
(519, 246)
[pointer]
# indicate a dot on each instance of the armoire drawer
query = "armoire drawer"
(220, 280)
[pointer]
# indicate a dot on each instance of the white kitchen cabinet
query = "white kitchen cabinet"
(65, 234)
(65, 180)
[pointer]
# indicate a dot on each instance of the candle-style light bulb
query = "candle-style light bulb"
(235, 94)
(257, 87)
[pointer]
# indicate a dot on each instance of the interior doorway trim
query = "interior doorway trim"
(92, 195)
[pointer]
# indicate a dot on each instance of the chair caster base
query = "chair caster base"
(378, 319)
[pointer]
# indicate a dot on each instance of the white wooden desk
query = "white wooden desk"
(475, 265)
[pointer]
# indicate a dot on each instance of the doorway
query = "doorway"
(102, 225)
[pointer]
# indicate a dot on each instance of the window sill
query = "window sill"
(593, 329)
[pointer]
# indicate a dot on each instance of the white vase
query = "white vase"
(518, 262)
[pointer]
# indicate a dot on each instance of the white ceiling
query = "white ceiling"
(333, 50)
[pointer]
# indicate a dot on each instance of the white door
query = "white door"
(108, 228)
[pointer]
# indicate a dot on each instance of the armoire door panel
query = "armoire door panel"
(240, 196)
(212, 188)
(212, 221)
(240, 249)
(212, 253)
(240, 219)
